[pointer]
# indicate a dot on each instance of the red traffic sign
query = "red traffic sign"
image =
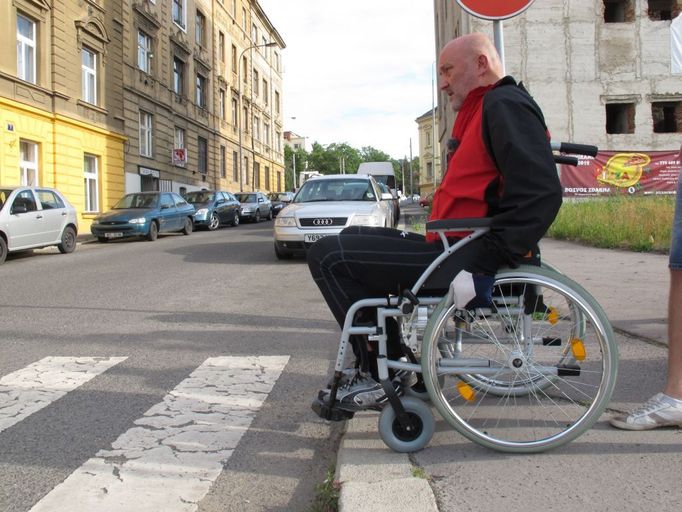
(494, 9)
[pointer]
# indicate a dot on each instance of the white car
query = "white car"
(36, 217)
(327, 204)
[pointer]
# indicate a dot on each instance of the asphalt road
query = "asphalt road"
(157, 317)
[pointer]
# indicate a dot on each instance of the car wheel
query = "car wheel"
(3, 250)
(281, 255)
(214, 223)
(102, 239)
(187, 228)
(257, 218)
(270, 214)
(68, 243)
(235, 219)
(153, 233)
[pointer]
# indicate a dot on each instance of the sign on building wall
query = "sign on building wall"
(180, 157)
(622, 173)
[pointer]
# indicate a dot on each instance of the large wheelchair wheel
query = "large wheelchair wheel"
(530, 373)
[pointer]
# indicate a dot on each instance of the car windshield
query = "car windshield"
(246, 198)
(200, 197)
(344, 189)
(4, 194)
(137, 201)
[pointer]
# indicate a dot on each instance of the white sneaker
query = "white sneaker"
(659, 411)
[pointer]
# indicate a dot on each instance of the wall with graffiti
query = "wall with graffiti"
(622, 173)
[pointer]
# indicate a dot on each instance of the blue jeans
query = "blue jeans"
(676, 242)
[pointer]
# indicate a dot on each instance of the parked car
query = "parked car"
(426, 200)
(254, 206)
(213, 208)
(36, 217)
(279, 200)
(324, 206)
(385, 190)
(144, 214)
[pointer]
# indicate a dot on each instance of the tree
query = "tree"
(302, 159)
(334, 158)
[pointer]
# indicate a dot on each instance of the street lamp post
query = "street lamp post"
(240, 113)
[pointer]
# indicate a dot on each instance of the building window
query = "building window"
(201, 91)
(620, 118)
(663, 10)
(266, 134)
(179, 138)
(245, 119)
(277, 102)
(235, 166)
(90, 177)
(267, 178)
(244, 20)
(178, 76)
(89, 75)
(221, 46)
(277, 62)
(223, 163)
(256, 175)
(221, 106)
(203, 155)
(667, 116)
(28, 163)
(26, 49)
(245, 69)
(144, 52)
(429, 171)
(145, 133)
(619, 11)
(234, 59)
(256, 127)
(200, 29)
(266, 93)
(254, 34)
(234, 8)
(255, 82)
(278, 141)
(234, 112)
(246, 169)
(179, 13)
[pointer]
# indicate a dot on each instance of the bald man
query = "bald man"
(501, 166)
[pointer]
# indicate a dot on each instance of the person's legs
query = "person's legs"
(665, 409)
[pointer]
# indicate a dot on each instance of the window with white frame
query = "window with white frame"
(255, 82)
(221, 106)
(89, 75)
(146, 120)
(90, 179)
(178, 76)
(256, 127)
(200, 29)
(144, 52)
(201, 91)
(277, 62)
(244, 20)
(234, 8)
(266, 134)
(26, 48)
(254, 34)
(28, 163)
(234, 112)
(221, 47)
(266, 93)
(277, 101)
(179, 138)
(179, 13)
(278, 140)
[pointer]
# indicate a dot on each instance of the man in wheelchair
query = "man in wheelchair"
(501, 167)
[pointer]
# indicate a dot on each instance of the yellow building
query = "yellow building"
(430, 172)
(60, 121)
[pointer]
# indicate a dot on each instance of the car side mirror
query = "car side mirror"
(164, 206)
(260, 199)
(386, 196)
(19, 209)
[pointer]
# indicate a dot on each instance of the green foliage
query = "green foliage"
(634, 223)
(327, 494)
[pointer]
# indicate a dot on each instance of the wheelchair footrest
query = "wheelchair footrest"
(330, 413)
(572, 370)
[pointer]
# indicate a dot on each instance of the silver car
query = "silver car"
(36, 217)
(325, 205)
(255, 206)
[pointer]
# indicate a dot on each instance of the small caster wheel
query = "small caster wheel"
(402, 440)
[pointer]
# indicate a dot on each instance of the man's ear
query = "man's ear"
(482, 64)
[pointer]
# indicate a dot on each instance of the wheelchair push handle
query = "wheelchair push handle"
(575, 149)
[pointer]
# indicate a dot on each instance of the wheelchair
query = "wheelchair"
(529, 372)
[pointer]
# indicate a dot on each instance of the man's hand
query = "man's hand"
(472, 290)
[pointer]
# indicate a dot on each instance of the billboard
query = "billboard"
(622, 173)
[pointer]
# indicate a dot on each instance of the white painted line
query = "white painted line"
(169, 461)
(38, 385)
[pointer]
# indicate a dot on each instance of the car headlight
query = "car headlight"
(201, 212)
(94, 221)
(246, 210)
(139, 220)
(285, 222)
(365, 220)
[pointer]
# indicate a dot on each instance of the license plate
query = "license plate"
(113, 235)
(312, 238)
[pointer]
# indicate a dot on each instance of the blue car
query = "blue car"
(144, 214)
(214, 208)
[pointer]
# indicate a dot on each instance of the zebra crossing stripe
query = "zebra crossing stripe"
(177, 449)
(38, 385)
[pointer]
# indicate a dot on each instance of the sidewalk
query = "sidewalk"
(631, 287)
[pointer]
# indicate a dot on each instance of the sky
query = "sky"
(356, 71)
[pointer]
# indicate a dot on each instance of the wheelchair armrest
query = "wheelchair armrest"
(458, 224)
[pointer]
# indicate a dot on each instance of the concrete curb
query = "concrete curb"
(375, 479)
